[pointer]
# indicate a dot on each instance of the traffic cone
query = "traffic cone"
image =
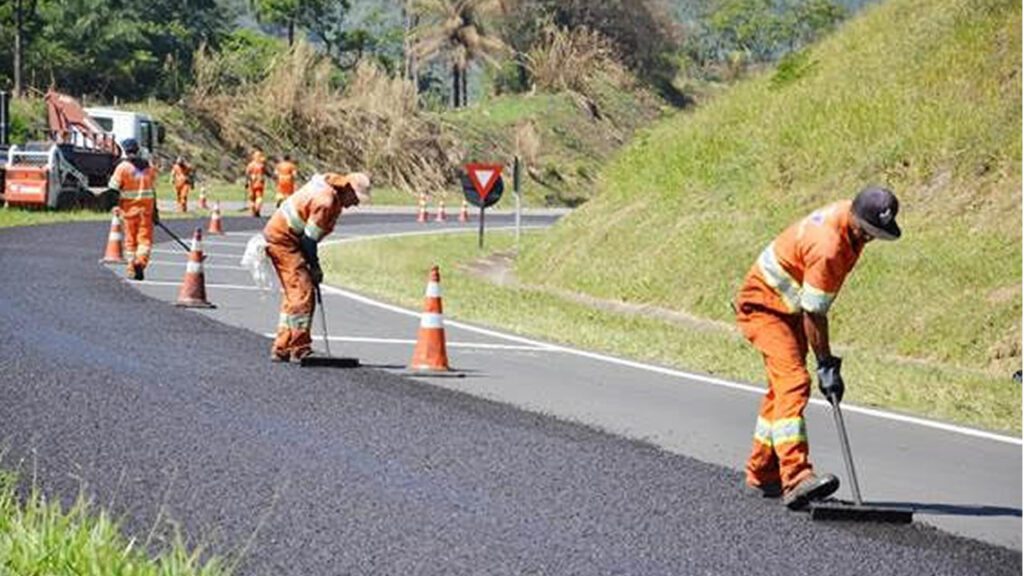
(215, 227)
(430, 353)
(114, 253)
(440, 212)
(202, 199)
(464, 212)
(193, 288)
(422, 215)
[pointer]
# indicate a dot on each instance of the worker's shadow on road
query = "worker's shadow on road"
(953, 509)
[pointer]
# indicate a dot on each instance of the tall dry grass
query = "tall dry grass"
(371, 124)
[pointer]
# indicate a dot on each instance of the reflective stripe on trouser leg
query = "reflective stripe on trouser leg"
(762, 465)
(783, 344)
(297, 302)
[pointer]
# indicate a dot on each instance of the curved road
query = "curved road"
(171, 418)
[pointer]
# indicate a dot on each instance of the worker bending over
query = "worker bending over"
(286, 171)
(182, 179)
(135, 179)
(292, 235)
(256, 182)
(782, 309)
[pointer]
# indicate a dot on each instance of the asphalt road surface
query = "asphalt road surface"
(542, 460)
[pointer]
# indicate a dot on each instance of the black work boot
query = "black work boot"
(766, 490)
(813, 487)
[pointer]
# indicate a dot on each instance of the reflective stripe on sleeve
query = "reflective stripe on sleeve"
(114, 182)
(295, 222)
(763, 432)
(777, 278)
(313, 231)
(815, 300)
(789, 431)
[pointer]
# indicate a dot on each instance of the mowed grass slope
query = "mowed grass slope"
(919, 95)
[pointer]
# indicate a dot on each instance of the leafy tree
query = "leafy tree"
(454, 29)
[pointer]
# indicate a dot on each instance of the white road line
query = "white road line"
(205, 265)
(687, 375)
(405, 341)
(641, 366)
(208, 285)
(362, 237)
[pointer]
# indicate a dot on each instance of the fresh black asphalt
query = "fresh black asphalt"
(168, 418)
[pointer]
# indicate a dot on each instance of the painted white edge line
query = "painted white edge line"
(621, 362)
(367, 237)
(408, 341)
(208, 285)
(205, 265)
(686, 375)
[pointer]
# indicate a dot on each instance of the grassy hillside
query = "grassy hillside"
(920, 95)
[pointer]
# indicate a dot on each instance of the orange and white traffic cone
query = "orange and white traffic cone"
(193, 288)
(115, 252)
(422, 215)
(440, 212)
(202, 199)
(464, 212)
(215, 225)
(431, 354)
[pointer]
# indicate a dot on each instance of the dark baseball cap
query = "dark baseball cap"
(875, 210)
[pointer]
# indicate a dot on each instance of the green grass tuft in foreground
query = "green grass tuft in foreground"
(396, 270)
(41, 537)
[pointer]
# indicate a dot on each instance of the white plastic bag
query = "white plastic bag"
(256, 261)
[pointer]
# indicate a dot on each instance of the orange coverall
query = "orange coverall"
(181, 175)
(801, 271)
(138, 200)
(255, 183)
(286, 171)
(312, 211)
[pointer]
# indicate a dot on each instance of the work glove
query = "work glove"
(156, 214)
(830, 382)
(317, 273)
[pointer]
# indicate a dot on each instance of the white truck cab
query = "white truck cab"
(124, 124)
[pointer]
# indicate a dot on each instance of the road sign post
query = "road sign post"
(482, 186)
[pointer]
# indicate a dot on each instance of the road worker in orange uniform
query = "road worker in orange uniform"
(181, 177)
(292, 235)
(286, 172)
(782, 309)
(135, 179)
(256, 182)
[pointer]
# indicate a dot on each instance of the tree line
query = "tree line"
(136, 49)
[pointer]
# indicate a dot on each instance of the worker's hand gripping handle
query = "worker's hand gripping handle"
(830, 381)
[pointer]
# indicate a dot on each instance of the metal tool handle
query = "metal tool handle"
(323, 319)
(844, 442)
(175, 236)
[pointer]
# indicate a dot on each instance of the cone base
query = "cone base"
(432, 372)
(194, 304)
(113, 261)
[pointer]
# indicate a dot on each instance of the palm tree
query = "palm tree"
(454, 28)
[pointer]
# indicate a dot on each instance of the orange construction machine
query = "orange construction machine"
(68, 169)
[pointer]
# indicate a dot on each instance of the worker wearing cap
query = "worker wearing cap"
(285, 172)
(292, 235)
(181, 177)
(256, 181)
(782, 309)
(135, 179)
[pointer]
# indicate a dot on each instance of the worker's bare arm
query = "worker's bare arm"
(816, 328)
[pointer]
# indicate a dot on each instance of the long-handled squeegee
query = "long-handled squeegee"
(328, 360)
(856, 511)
